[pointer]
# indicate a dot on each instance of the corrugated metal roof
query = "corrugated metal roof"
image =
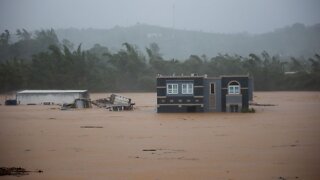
(51, 91)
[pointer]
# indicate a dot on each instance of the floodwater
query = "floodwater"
(276, 142)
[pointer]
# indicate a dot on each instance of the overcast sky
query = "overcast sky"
(223, 16)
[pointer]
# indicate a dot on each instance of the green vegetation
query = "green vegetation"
(41, 61)
(248, 110)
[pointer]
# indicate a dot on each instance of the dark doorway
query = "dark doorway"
(234, 108)
(191, 109)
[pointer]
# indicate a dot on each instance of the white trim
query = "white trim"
(161, 96)
(234, 89)
(174, 88)
(198, 96)
(221, 76)
(187, 88)
(50, 91)
(180, 104)
(240, 88)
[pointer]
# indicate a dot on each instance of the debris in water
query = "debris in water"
(11, 102)
(79, 103)
(15, 171)
(91, 126)
(149, 150)
(115, 103)
(258, 104)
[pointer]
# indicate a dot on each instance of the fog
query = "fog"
(228, 16)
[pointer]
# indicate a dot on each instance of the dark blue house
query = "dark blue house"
(203, 94)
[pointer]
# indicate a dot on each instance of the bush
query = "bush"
(248, 110)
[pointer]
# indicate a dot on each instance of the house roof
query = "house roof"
(200, 76)
(234, 76)
(51, 91)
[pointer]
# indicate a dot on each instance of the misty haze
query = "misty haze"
(258, 58)
(122, 45)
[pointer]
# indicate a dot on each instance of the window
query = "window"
(212, 88)
(187, 88)
(172, 88)
(234, 88)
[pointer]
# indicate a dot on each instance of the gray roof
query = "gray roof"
(51, 91)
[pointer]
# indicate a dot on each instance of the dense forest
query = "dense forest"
(40, 61)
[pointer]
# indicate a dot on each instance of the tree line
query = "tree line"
(41, 61)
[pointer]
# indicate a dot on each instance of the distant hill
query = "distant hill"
(296, 40)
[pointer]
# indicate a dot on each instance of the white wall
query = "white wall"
(56, 98)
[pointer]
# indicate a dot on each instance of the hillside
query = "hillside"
(296, 40)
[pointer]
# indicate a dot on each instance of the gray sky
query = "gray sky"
(223, 16)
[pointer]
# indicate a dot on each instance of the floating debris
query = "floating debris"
(16, 171)
(290, 145)
(79, 103)
(11, 102)
(91, 126)
(259, 104)
(149, 150)
(114, 103)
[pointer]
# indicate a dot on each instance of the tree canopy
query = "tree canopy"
(41, 61)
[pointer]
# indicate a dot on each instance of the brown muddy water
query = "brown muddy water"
(276, 142)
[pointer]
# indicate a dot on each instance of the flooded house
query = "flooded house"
(195, 93)
(50, 96)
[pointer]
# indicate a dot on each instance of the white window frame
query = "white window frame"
(234, 89)
(187, 88)
(172, 88)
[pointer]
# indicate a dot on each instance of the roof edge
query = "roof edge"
(52, 91)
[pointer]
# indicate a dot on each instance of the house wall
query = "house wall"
(202, 100)
(56, 98)
(209, 98)
(180, 102)
(244, 84)
(233, 99)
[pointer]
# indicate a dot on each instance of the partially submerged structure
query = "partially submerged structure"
(80, 103)
(50, 96)
(203, 94)
(115, 103)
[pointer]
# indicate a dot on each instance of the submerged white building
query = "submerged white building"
(50, 96)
